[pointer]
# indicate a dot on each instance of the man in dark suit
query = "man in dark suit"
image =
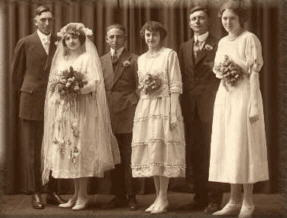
(196, 58)
(120, 75)
(30, 73)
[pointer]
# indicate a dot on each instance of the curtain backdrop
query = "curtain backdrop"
(97, 14)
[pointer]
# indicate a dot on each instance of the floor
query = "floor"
(19, 206)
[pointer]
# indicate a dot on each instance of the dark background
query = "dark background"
(267, 20)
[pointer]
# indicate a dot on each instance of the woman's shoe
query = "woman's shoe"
(150, 208)
(158, 210)
(71, 202)
(228, 209)
(246, 211)
(81, 204)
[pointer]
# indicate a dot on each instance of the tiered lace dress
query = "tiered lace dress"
(158, 150)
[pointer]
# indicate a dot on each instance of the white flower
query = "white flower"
(76, 27)
(208, 47)
(126, 63)
(88, 31)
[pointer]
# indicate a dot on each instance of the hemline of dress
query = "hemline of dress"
(57, 176)
(241, 182)
(158, 169)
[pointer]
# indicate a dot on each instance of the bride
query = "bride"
(78, 142)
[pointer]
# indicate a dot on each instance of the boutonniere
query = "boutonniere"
(56, 43)
(126, 63)
(208, 47)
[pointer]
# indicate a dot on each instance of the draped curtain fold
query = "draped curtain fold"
(98, 14)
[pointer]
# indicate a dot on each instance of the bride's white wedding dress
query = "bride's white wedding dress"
(78, 140)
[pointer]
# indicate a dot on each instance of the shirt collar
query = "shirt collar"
(119, 51)
(43, 37)
(202, 37)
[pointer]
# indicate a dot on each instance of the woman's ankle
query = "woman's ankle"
(234, 202)
(248, 204)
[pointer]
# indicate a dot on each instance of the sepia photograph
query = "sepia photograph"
(131, 108)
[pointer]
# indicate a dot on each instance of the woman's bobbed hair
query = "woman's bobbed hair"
(153, 26)
(237, 7)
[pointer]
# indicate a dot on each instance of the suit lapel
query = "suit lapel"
(108, 71)
(119, 69)
(52, 49)
(204, 51)
(190, 55)
(39, 45)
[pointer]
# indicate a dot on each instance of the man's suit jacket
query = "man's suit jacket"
(121, 88)
(30, 74)
(199, 82)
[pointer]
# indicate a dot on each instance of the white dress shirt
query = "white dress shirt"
(200, 39)
(45, 40)
(118, 52)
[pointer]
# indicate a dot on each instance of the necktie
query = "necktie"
(115, 57)
(196, 48)
(46, 43)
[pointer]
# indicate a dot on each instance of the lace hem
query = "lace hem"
(161, 116)
(176, 87)
(159, 169)
(156, 141)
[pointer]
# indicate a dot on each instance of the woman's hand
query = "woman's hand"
(173, 121)
(253, 113)
(253, 105)
(88, 88)
(85, 90)
(173, 110)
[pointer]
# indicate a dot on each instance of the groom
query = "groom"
(196, 58)
(120, 75)
(30, 73)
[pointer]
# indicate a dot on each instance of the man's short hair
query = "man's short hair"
(199, 7)
(116, 26)
(39, 10)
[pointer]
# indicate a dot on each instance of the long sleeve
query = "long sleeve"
(18, 66)
(254, 61)
(217, 60)
(175, 85)
(174, 75)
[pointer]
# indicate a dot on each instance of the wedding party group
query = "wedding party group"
(195, 113)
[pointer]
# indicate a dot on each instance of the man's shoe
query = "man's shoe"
(37, 201)
(212, 207)
(54, 199)
(132, 203)
(193, 206)
(116, 202)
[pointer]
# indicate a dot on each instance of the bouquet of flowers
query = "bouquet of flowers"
(228, 71)
(150, 83)
(69, 83)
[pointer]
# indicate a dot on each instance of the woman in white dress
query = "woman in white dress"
(78, 142)
(238, 142)
(158, 146)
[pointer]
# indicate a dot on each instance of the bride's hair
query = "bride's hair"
(74, 33)
(77, 30)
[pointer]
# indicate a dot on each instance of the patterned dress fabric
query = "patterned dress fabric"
(158, 150)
